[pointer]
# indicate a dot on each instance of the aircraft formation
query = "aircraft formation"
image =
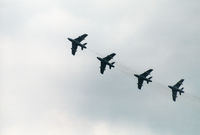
(106, 62)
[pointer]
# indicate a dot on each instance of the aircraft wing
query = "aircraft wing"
(102, 67)
(147, 72)
(74, 48)
(174, 95)
(179, 83)
(109, 57)
(140, 83)
(81, 38)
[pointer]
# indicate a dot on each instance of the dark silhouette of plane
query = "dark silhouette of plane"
(142, 78)
(176, 89)
(105, 61)
(77, 42)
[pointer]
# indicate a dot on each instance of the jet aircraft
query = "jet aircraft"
(176, 89)
(105, 61)
(142, 78)
(77, 42)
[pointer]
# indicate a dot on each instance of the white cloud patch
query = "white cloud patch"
(54, 122)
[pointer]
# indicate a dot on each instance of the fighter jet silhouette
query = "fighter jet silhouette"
(142, 78)
(105, 61)
(77, 42)
(176, 89)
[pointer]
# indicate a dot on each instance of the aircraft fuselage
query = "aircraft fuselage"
(176, 89)
(143, 78)
(77, 43)
(106, 62)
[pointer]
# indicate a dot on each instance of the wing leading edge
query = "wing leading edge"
(81, 38)
(74, 48)
(174, 95)
(179, 83)
(109, 57)
(145, 74)
(102, 67)
(140, 83)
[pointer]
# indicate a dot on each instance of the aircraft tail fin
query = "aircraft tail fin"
(111, 65)
(149, 79)
(84, 46)
(181, 91)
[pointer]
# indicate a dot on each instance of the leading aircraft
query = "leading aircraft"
(143, 77)
(105, 61)
(176, 89)
(77, 42)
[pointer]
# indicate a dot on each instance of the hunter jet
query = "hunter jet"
(105, 61)
(77, 42)
(176, 89)
(142, 77)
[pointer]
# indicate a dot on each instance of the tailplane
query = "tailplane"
(111, 65)
(181, 91)
(84, 46)
(149, 79)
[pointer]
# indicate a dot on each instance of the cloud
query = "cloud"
(45, 90)
(55, 122)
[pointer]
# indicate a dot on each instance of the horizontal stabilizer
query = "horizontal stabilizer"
(112, 65)
(181, 91)
(149, 79)
(84, 46)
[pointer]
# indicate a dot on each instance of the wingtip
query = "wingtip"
(73, 53)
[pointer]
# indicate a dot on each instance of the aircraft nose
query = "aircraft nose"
(69, 39)
(98, 58)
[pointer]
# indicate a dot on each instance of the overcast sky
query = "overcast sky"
(47, 91)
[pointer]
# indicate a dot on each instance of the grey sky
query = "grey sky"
(47, 91)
